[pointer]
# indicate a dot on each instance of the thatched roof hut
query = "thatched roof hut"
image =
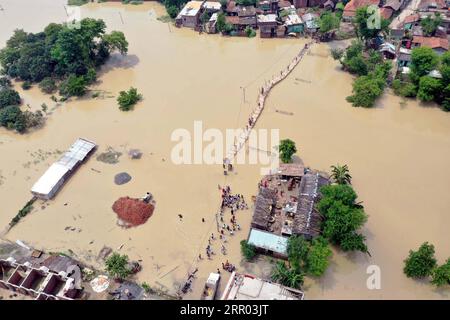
(292, 170)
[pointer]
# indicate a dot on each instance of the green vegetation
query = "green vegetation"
(11, 117)
(441, 275)
(371, 70)
(61, 54)
(173, 7)
(26, 85)
(250, 32)
(22, 212)
(117, 266)
(287, 276)
(247, 2)
(429, 24)
(287, 150)
(420, 263)
(248, 250)
(341, 174)
(328, 21)
(127, 99)
(146, 287)
(305, 258)
(366, 25)
(342, 217)
(76, 2)
(421, 84)
(222, 25)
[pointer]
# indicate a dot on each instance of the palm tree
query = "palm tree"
(340, 174)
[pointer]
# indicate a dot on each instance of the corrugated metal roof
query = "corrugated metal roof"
(49, 179)
(268, 241)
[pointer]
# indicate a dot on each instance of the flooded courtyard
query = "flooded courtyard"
(398, 153)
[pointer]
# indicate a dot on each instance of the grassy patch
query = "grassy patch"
(76, 2)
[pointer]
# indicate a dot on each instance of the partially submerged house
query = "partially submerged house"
(40, 283)
(294, 24)
(311, 21)
(55, 176)
(189, 16)
(211, 24)
(268, 25)
(248, 287)
(285, 206)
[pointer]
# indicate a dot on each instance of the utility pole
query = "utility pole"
(243, 93)
(120, 14)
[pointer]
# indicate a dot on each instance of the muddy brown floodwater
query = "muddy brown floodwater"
(398, 153)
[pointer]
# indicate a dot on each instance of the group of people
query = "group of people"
(232, 201)
(228, 266)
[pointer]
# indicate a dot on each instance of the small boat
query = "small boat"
(211, 285)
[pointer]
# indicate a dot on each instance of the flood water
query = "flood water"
(398, 153)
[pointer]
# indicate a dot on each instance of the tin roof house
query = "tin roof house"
(55, 176)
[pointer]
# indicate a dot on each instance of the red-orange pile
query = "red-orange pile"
(132, 212)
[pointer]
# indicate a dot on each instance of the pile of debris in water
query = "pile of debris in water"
(132, 212)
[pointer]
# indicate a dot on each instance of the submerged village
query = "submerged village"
(268, 242)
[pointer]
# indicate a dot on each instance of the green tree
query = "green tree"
(127, 99)
(287, 276)
(116, 41)
(429, 88)
(366, 27)
(47, 85)
(117, 266)
(423, 60)
(429, 24)
(73, 86)
(354, 242)
(12, 117)
(337, 53)
(317, 259)
(421, 263)
(172, 11)
(441, 275)
(366, 90)
(287, 149)
(248, 250)
(327, 22)
(342, 216)
(297, 251)
(9, 97)
(221, 22)
(341, 174)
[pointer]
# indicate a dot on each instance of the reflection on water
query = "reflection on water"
(398, 155)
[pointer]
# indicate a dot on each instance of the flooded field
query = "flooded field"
(398, 153)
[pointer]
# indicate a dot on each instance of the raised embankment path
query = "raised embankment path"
(263, 94)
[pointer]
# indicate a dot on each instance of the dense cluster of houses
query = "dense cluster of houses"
(274, 18)
(285, 206)
(409, 33)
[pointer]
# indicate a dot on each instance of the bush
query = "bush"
(250, 32)
(26, 85)
(12, 117)
(172, 11)
(287, 149)
(9, 97)
(73, 86)
(421, 263)
(127, 99)
(47, 85)
(441, 275)
(117, 266)
(248, 250)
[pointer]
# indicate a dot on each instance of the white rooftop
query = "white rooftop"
(191, 9)
(50, 179)
(212, 5)
(293, 19)
(267, 18)
(246, 287)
